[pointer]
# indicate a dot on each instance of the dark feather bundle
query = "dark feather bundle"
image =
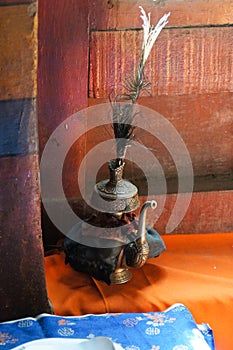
(123, 111)
(122, 118)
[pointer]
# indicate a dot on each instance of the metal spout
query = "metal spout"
(142, 219)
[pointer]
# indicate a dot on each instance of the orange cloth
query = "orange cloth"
(196, 270)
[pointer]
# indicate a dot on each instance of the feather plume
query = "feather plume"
(123, 104)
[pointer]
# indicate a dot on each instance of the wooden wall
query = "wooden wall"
(22, 287)
(191, 73)
(85, 48)
(190, 70)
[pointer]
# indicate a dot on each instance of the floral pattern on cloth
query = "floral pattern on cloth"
(172, 329)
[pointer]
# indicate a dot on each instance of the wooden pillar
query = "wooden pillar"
(62, 76)
(22, 287)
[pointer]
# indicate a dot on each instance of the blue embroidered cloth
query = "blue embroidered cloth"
(172, 329)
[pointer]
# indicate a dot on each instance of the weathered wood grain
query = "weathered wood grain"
(18, 127)
(62, 73)
(207, 212)
(183, 61)
(125, 13)
(18, 46)
(62, 62)
(22, 288)
(15, 2)
(204, 122)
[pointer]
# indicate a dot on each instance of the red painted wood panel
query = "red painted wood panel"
(63, 41)
(22, 288)
(183, 61)
(204, 122)
(207, 212)
(62, 62)
(125, 13)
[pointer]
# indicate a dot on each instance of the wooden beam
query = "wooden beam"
(18, 127)
(62, 71)
(62, 62)
(207, 212)
(22, 289)
(16, 2)
(18, 52)
(204, 122)
(183, 61)
(184, 13)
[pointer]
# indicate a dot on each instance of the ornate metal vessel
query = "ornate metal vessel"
(113, 254)
(120, 195)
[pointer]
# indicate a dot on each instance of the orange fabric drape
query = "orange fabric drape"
(196, 270)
